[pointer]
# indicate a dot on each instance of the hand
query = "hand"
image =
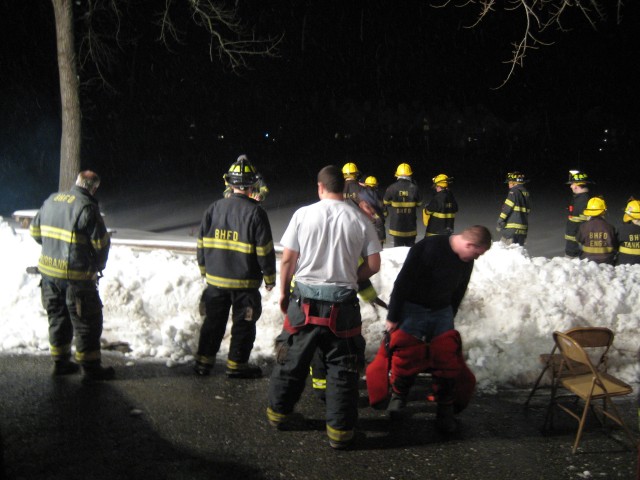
(268, 288)
(284, 303)
(390, 326)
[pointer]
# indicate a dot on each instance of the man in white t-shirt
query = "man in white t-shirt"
(322, 245)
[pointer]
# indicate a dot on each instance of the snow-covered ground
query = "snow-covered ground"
(516, 297)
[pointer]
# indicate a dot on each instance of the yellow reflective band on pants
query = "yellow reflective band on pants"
(60, 350)
(88, 356)
(339, 435)
(319, 383)
(275, 417)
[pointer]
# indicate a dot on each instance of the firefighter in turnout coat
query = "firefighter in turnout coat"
(401, 200)
(440, 215)
(75, 247)
(597, 237)
(579, 184)
(513, 222)
(235, 253)
(629, 234)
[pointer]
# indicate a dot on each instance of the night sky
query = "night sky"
(374, 82)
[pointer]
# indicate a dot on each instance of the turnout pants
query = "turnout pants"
(330, 333)
(73, 308)
(342, 356)
(215, 304)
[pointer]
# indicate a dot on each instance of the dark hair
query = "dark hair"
(479, 235)
(332, 179)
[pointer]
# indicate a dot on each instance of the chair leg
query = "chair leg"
(535, 386)
(583, 420)
(615, 416)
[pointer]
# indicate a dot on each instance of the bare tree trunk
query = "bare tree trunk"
(69, 94)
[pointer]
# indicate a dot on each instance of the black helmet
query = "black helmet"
(241, 174)
(517, 177)
(578, 177)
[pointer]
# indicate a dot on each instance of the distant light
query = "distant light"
(266, 135)
(220, 136)
(606, 130)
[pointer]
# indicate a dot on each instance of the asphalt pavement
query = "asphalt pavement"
(155, 422)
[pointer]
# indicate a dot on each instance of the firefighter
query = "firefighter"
(351, 186)
(597, 238)
(513, 222)
(259, 191)
(370, 194)
(440, 215)
(629, 234)
(401, 200)
(235, 253)
(579, 184)
(75, 247)
(322, 244)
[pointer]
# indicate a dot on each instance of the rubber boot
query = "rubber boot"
(202, 369)
(242, 370)
(94, 371)
(445, 421)
(65, 367)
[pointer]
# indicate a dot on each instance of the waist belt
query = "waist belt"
(330, 322)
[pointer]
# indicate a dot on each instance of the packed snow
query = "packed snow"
(513, 304)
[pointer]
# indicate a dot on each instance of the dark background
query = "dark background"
(373, 82)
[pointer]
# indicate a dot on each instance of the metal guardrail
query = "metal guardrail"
(24, 217)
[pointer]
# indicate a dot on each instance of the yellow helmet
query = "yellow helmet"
(442, 180)
(350, 170)
(371, 181)
(596, 206)
(404, 170)
(632, 211)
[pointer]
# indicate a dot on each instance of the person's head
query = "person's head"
(330, 180)
(515, 178)
(404, 171)
(350, 171)
(242, 175)
(632, 212)
(441, 181)
(578, 181)
(471, 242)
(371, 182)
(596, 207)
(88, 180)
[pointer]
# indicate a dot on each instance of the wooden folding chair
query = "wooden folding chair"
(589, 387)
(597, 338)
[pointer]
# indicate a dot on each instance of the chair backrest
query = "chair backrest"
(593, 337)
(571, 350)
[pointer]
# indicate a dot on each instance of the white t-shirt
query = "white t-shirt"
(330, 236)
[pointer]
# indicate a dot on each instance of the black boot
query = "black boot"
(65, 367)
(397, 406)
(94, 371)
(242, 370)
(202, 369)
(445, 422)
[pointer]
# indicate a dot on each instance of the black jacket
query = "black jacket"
(629, 240)
(74, 239)
(514, 216)
(432, 276)
(235, 246)
(401, 200)
(598, 240)
(442, 210)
